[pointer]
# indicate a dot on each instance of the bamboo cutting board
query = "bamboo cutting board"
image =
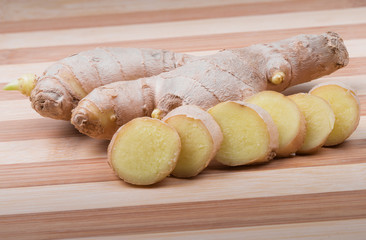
(55, 182)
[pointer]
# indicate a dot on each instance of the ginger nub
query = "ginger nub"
(144, 151)
(319, 118)
(249, 136)
(346, 107)
(287, 117)
(201, 138)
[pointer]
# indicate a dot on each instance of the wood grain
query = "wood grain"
(55, 183)
(96, 170)
(197, 216)
(243, 185)
(189, 28)
(18, 10)
(161, 14)
(337, 230)
(179, 44)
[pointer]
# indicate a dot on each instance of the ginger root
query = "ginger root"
(287, 117)
(319, 118)
(250, 135)
(346, 107)
(229, 75)
(64, 83)
(144, 151)
(200, 136)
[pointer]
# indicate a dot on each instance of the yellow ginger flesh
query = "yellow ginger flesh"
(144, 151)
(246, 137)
(319, 118)
(346, 108)
(197, 145)
(287, 117)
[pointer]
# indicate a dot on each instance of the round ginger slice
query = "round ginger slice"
(319, 118)
(250, 136)
(346, 107)
(144, 151)
(287, 117)
(200, 136)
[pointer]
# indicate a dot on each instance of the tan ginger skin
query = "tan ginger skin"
(64, 83)
(229, 75)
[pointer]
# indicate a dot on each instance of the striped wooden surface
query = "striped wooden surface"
(55, 182)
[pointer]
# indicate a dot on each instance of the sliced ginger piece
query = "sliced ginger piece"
(319, 118)
(346, 107)
(200, 136)
(250, 136)
(287, 117)
(144, 151)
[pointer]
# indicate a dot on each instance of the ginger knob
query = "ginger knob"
(277, 78)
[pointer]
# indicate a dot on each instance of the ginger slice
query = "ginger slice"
(346, 107)
(319, 118)
(200, 136)
(250, 136)
(287, 117)
(144, 151)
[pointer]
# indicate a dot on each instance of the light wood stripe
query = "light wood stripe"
(354, 229)
(18, 10)
(356, 47)
(192, 28)
(197, 43)
(187, 216)
(96, 170)
(12, 71)
(17, 110)
(190, 12)
(243, 185)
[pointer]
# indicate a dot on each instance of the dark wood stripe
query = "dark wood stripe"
(362, 99)
(54, 173)
(41, 128)
(349, 152)
(97, 170)
(186, 216)
(176, 15)
(179, 44)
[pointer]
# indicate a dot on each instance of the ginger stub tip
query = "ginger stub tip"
(157, 113)
(24, 84)
(277, 78)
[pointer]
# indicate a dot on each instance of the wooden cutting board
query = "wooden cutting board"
(55, 182)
